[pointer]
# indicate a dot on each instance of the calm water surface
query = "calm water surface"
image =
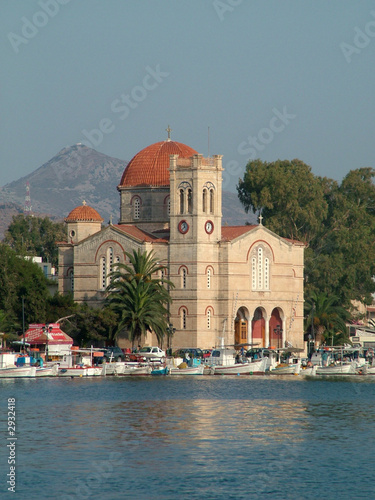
(190, 438)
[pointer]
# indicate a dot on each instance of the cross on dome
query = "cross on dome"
(169, 130)
(84, 203)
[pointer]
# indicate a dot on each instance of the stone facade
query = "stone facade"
(233, 284)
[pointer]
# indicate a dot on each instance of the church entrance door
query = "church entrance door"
(240, 331)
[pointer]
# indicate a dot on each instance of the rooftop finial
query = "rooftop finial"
(169, 130)
(260, 219)
(84, 203)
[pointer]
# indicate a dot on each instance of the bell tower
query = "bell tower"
(195, 233)
(195, 194)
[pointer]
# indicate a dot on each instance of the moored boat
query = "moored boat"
(140, 371)
(338, 369)
(17, 372)
(47, 371)
(76, 371)
(223, 361)
(286, 369)
(163, 370)
(248, 368)
(188, 370)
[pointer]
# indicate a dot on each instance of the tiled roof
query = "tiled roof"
(229, 233)
(84, 213)
(139, 234)
(150, 166)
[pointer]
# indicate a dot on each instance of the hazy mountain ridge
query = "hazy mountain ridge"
(78, 173)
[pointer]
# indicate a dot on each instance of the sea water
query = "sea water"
(190, 438)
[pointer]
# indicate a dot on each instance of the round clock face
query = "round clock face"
(183, 227)
(209, 227)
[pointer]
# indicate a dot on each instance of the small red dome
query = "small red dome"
(84, 213)
(150, 167)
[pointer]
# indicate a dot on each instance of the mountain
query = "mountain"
(79, 173)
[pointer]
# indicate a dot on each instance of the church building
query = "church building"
(236, 284)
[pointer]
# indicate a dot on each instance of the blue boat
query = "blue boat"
(160, 371)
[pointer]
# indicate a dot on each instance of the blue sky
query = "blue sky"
(268, 78)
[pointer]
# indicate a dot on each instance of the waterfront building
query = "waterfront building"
(239, 283)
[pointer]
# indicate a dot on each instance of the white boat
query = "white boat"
(47, 371)
(189, 370)
(222, 361)
(116, 368)
(140, 371)
(338, 369)
(17, 372)
(308, 371)
(286, 369)
(93, 371)
(257, 367)
(76, 371)
(367, 370)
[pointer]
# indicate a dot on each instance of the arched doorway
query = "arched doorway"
(241, 326)
(258, 327)
(276, 329)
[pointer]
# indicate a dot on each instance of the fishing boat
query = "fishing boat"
(163, 370)
(140, 371)
(367, 370)
(286, 369)
(308, 371)
(47, 371)
(336, 369)
(73, 371)
(188, 370)
(17, 372)
(93, 371)
(225, 361)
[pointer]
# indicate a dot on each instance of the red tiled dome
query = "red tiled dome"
(150, 166)
(84, 213)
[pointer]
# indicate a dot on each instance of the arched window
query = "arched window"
(204, 200)
(190, 201)
(103, 273)
(266, 273)
(208, 278)
(183, 318)
(183, 277)
(71, 278)
(182, 204)
(211, 201)
(208, 319)
(260, 269)
(136, 208)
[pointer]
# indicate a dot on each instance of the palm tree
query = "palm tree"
(138, 298)
(325, 319)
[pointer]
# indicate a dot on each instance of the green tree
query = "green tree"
(336, 221)
(290, 197)
(37, 236)
(21, 283)
(89, 326)
(138, 298)
(325, 319)
(60, 306)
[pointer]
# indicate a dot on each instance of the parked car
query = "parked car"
(150, 352)
(192, 351)
(113, 354)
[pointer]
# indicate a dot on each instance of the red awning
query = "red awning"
(36, 335)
